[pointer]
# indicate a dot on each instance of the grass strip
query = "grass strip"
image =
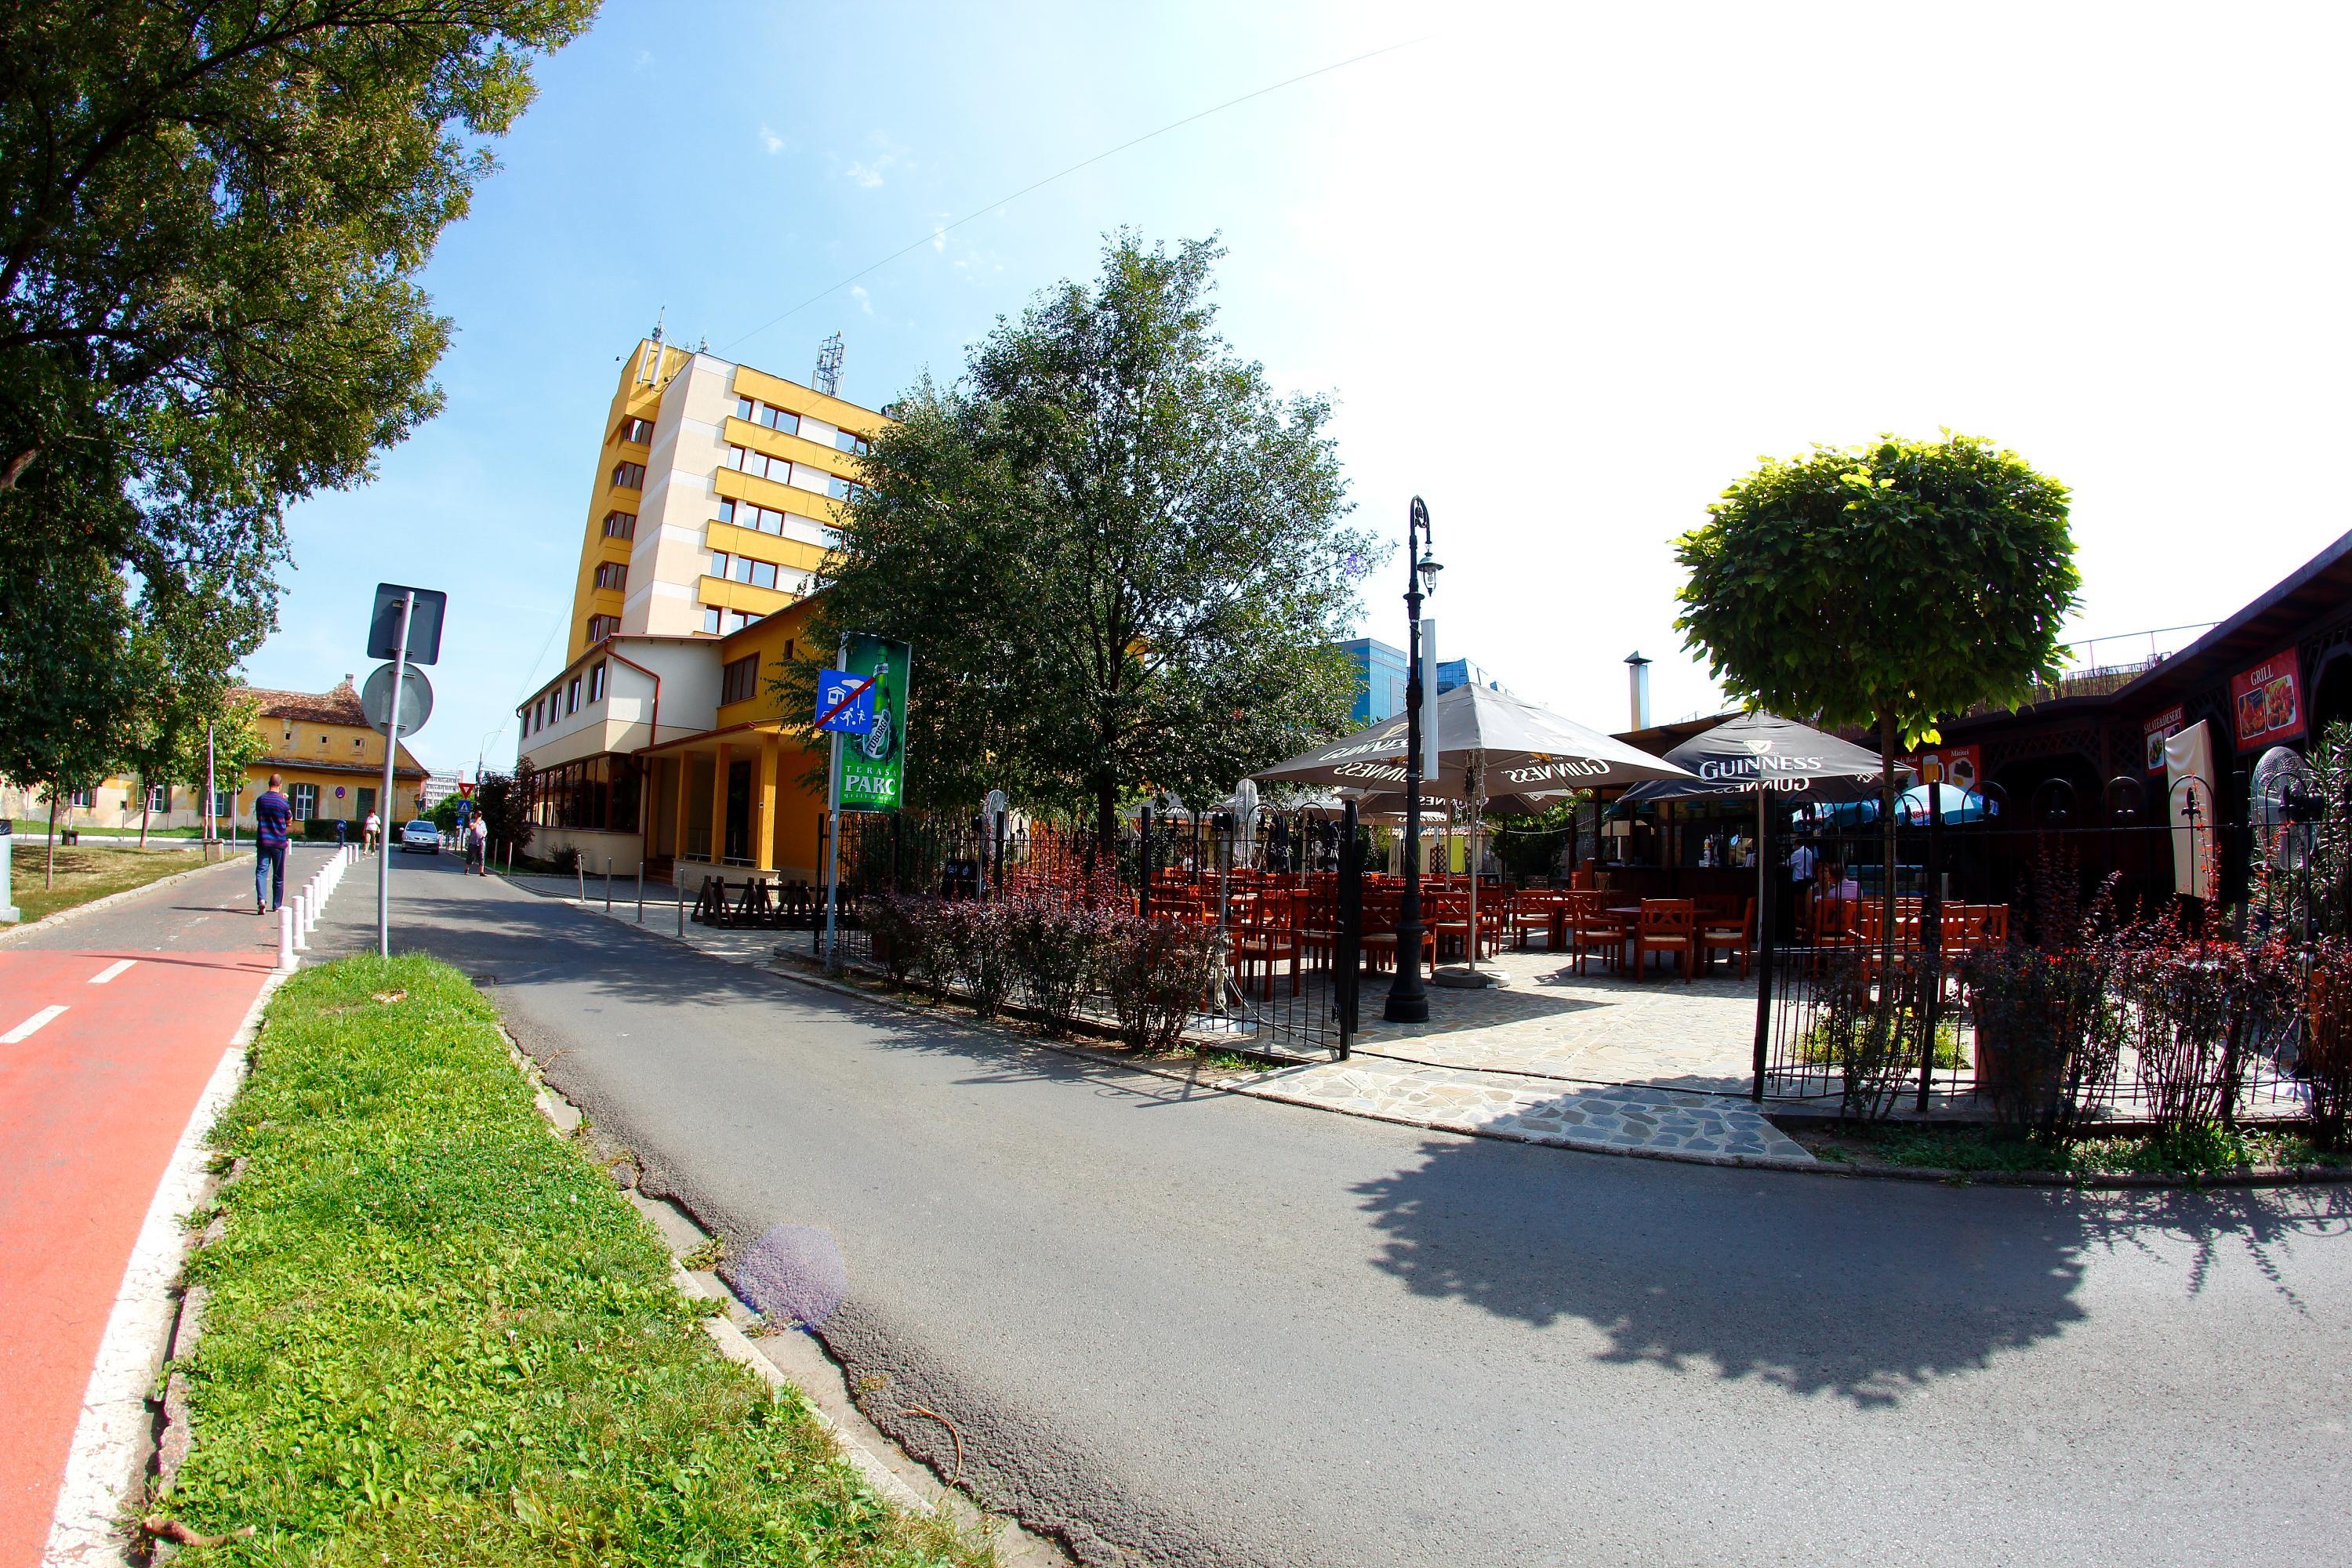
(437, 1334)
(2189, 1153)
(85, 873)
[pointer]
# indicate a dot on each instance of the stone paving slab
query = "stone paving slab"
(1612, 1117)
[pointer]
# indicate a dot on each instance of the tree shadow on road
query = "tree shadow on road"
(1868, 1290)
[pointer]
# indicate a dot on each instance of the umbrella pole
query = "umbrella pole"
(1476, 801)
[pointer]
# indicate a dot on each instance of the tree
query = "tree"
(1887, 585)
(211, 220)
(1118, 554)
(504, 800)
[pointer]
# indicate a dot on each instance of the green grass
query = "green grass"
(1817, 1046)
(2196, 1151)
(438, 1335)
(84, 872)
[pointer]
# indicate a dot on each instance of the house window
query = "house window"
(713, 618)
(740, 680)
(629, 476)
(620, 525)
(358, 744)
(641, 431)
(538, 710)
(611, 574)
(306, 802)
(788, 648)
(602, 627)
(596, 684)
(571, 696)
(224, 805)
(159, 797)
(849, 441)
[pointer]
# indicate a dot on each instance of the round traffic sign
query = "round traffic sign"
(416, 701)
(339, 792)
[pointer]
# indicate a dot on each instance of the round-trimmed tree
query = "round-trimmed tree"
(1889, 584)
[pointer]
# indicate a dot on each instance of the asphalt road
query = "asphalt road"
(1208, 1329)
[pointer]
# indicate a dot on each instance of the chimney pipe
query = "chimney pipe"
(1637, 682)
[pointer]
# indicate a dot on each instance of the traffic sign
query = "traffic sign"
(416, 701)
(845, 702)
(339, 792)
(424, 625)
(465, 789)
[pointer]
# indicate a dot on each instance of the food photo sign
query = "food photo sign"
(2268, 702)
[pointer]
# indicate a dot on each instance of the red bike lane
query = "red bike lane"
(104, 1052)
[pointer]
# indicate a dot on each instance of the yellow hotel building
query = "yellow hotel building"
(717, 489)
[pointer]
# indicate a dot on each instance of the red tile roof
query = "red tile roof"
(340, 706)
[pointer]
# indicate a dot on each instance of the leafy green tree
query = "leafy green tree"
(212, 215)
(504, 802)
(1887, 584)
(1119, 556)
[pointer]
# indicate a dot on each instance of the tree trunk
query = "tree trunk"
(146, 809)
(49, 876)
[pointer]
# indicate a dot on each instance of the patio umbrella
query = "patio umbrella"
(1763, 755)
(1486, 741)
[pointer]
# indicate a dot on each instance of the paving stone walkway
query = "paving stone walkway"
(1613, 1118)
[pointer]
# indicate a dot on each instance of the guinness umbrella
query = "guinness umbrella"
(1763, 751)
(1486, 741)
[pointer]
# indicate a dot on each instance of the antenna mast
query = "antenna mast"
(828, 366)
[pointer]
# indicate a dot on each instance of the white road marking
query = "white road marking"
(25, 1030)
(111, 970)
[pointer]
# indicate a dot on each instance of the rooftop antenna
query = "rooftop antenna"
(649, 367)
(828, 366)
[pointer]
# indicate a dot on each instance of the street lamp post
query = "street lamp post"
(1407, 1003)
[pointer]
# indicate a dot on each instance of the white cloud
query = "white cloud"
(865, 300)
(867, 174)
(773, 143)
(939, 236)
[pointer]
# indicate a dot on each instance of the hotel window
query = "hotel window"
(600, 627)
(629, 476)
(720, 563)
(738, 619)
(620, 525)
(611, 574)
(839, 488)
(740, 680)
(713, 617)
(743, 514)
(759, 574)
(850, 441)
(305, 802)
(641, 431)
(571, 696)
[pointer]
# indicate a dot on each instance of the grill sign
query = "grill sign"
(2268, 701)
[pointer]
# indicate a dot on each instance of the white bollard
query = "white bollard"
(301, 930)
(311, 898)
(285, 940)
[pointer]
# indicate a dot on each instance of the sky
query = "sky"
(1566, 272)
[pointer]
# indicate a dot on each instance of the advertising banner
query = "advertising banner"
(2188, 764)
(2157, 731)
(872, 764)
(2268, 702)
(1962, 767)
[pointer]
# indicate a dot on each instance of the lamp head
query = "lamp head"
(1429, 569)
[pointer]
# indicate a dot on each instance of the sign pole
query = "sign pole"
(391, 752)
(832, 821)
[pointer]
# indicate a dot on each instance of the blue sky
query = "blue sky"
(1566, 271)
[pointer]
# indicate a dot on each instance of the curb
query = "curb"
(64, 917)
(2275, 1177)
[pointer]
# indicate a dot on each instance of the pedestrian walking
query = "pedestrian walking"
(477, 841)
(368, 832)
(273, 825)
(340, 839)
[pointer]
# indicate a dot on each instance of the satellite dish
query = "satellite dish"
(2284, 798)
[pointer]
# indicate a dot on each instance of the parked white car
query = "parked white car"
(420, 834)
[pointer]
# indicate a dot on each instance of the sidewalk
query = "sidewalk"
(1539, 1103)
(110, 1028)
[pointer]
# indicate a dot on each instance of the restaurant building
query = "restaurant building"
(715, 496)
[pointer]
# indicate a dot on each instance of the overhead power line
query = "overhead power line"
(944, 230)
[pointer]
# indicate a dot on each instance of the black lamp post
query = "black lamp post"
(1407, 1003)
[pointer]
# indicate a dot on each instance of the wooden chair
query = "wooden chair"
(1591, 929)
(1726, 937)
(1667, 925)
(1532, 910)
